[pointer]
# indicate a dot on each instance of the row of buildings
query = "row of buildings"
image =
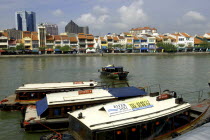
(137, 40)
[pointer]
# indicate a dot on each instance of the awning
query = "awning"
(57, 50)
(49, 50)
(160, 48)
(104, 47)
(35, 50)
(41, 106)
(2, 51)
(126, 92)
(144, 48)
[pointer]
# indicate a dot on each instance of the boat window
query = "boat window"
(145, 131)
(107, 135)
(57, 112)
(133, 133)
(181, 120)
(120, 134)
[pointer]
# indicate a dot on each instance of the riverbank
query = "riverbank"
(103, 54)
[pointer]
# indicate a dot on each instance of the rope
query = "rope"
(59, 134)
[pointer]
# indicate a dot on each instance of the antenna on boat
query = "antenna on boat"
(80, 115)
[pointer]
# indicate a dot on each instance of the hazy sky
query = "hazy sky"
(114, 16)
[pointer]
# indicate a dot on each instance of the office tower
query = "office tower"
(72, 27)
(51, 29)
(25, 21)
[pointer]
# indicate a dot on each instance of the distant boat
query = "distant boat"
(112, 71)
(30, 93)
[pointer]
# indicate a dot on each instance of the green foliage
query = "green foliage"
(168, 47)
(110, 46)
(205, 44)
(181, 45)
(129, 46)
(57, 47)
(42, 48)
(65, 48)
(117, 46)
(20, 46)
(12, 49)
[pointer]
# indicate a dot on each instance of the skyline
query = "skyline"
(115, 16)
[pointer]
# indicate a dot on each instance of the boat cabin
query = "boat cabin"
(54, 107)
(112, 69)
(131, 119)
(35, 92)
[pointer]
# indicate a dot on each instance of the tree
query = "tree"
(168, 47)
(65, 48)
(42, 48)
(129, 46)
(20, 46)
(57, 47)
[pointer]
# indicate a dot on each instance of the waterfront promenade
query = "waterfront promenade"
(103, 54)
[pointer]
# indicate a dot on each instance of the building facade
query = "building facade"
(25, 20)
(51, 29)
(72, 27)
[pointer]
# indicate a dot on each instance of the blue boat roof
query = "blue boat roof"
(41, 106)
(113, 67)
(126, 92)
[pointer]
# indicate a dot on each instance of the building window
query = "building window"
(181, 39)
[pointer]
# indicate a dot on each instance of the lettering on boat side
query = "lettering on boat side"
(127, 107)
(85, 92)
(78, 82)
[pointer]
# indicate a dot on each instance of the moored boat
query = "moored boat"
(112, 71)
(30, 93)
(52, 110)
(149, 117)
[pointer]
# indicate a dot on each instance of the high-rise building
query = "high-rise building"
(25, 21)
(42, 35)
(72, 27)
(51, 29)
(13, 33)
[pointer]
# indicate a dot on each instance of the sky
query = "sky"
(114, 16)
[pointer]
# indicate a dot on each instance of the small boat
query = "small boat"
(51, 112)
(149, 117)
(112, 71)
(30, 93)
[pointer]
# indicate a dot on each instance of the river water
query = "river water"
(184, 74)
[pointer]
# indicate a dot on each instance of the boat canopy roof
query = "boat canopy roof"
(128, 111)
(86, 96)
(56, 86)
(113, 67)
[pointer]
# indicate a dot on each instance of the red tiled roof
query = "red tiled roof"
(143, 28)
(73, 39)
(81, 36)
(64, 37)
(57, 37)
(115, 38)
(102, 39)
(26, 34)
(108, 37)
(49, 37)
(35, 37)
(197, 41)
(89, 36)
(185, 34)
(121, 37)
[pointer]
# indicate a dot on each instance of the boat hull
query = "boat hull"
(115, 75)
